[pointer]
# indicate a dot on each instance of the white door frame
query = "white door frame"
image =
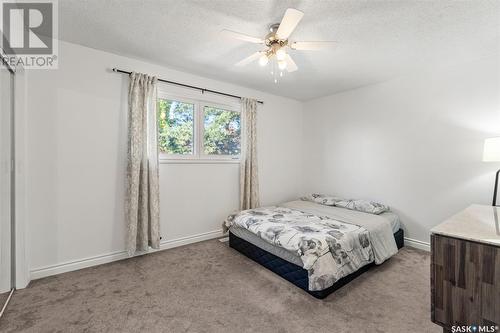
(22, 272)
(19, 263)
(7, 239)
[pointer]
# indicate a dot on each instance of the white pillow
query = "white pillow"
(360, 205)
(322, 199)
(364, 206)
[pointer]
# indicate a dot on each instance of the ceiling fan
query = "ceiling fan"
(277, 43)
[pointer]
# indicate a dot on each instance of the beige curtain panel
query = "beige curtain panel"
(142, 196)
(249, 177)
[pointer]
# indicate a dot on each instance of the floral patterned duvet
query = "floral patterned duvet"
(329, 249)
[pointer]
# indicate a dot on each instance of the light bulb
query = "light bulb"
(280, 54)
(263, 60)
(281, 64)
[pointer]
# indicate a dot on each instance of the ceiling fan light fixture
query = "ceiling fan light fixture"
(276, 44)
(280, 54)
(263, 60)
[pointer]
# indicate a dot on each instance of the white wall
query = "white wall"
(414, 143)
(76, 142)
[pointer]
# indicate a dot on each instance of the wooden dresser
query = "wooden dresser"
(465, 270)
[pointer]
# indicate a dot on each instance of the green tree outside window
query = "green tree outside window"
(175, 127)
(176, 134)
(222, 132)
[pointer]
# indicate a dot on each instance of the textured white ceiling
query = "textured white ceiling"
(377, 39)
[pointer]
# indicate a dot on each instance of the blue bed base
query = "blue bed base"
(293, 273)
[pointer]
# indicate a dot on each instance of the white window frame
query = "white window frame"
(198, 155)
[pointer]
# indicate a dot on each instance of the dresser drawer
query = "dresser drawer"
(465, 282)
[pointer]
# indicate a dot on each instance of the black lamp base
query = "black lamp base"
(495, 190)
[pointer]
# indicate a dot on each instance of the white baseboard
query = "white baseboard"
(168, 244)
(417, 244)
(74, 265)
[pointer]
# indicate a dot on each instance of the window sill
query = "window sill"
(197, 161)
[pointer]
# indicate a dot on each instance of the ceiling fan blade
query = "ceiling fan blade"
(291, 66)
(313, 46)
(289, 22)
(248, 59)
(240, 36)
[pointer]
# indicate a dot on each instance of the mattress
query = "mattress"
(393, 219)
(259, 242)
(342, 214)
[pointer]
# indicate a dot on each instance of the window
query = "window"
(176, 127)
(222, 131)
(197, 130)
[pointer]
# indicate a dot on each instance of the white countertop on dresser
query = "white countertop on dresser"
(478, 223)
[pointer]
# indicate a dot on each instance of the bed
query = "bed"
(316, 246)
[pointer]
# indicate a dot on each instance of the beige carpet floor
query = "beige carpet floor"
(209, 287)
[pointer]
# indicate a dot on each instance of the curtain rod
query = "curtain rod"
(203, 90)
